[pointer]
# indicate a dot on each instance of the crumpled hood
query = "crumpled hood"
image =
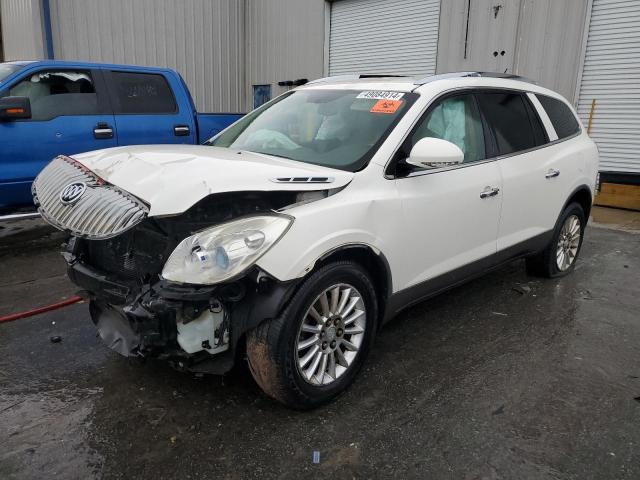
(172, 178)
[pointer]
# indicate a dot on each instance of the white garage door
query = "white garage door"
(384, 37)
(611, 76)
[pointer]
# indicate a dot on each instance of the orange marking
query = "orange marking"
(386, 106)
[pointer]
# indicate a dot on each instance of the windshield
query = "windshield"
(7, 69)
(333, 128)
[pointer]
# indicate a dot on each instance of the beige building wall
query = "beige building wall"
(201, 39)
(22, 29)
(284, 41)
(538, 39)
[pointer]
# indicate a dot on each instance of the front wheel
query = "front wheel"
(313, 351)
(560, 256)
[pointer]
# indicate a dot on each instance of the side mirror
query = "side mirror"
(431, 152)
(12, 108)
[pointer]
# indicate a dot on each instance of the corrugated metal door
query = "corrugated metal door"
(384, 36)
(611, 76)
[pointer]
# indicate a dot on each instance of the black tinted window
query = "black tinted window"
(142, 93)
(507, 114)
(561, 116)
(54, 93)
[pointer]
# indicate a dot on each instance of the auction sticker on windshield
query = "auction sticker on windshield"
(386, 106)
(380, 95)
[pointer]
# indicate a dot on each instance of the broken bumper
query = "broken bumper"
(194, 327)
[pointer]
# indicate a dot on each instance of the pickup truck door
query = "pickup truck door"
(450, 214)
(70, 114)
(150, 108)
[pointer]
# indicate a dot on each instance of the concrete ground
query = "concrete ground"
(508, 376)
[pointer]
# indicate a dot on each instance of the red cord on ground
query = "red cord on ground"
(36, 311)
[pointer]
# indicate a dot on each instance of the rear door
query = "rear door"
(532, 190)
(70, 114)
(150, 108)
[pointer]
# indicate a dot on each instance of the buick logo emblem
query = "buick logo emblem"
(72, 192)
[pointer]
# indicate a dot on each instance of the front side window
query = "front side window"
(333, 128)
(561, 116)
(141, 93)
(457, 120)
(55, 93)
(508, 116)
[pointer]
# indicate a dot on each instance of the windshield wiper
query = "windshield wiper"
(276, 155)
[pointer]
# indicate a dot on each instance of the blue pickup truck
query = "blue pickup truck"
(49, 108)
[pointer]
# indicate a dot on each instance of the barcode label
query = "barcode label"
(380, 95)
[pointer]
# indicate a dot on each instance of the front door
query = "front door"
(450, 214)
(68, 116)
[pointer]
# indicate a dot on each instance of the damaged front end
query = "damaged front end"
(194, 327)
(138, 311)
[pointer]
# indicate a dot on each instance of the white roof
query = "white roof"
(428, 83)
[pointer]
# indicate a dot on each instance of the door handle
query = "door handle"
(489, 192)
(552, 173)
(103, 131)
(181, 131)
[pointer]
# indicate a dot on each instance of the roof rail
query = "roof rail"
(342, 78)
(509, 76)
(442, 76)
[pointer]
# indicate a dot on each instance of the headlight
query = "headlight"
(224, 251)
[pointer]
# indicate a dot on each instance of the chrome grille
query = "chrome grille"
(101, 211)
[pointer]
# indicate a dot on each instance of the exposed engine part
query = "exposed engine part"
(312, 196)
(308, 197)
(207, 332)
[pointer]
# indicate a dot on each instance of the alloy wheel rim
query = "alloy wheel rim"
(568, 243)
(331, 334)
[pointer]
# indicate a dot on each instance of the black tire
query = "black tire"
(544, 263)
(272, 346)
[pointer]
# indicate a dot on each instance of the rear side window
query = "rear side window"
(561, 116)
(508, 115)
(55, 93)
(141, 93)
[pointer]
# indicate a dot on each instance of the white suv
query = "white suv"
(298, 231)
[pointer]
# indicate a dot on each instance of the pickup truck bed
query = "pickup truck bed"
(210, 124)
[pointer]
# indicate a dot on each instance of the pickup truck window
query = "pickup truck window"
(141, 93)
(54, 93)
(333, 128)
(8, 69)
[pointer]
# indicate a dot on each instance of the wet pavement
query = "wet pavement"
(508, 376)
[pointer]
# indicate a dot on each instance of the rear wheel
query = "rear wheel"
(560, 256)
(313, 351)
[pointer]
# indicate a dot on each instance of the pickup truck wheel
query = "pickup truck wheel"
(560, 256)
(313, 351)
